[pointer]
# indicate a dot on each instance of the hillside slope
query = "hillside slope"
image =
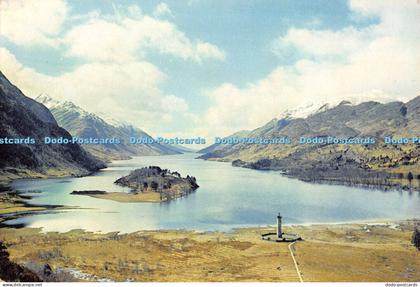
(24, 118)
(376, 164)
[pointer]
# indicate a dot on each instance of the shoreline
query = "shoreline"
(146, 197)
(368, 222)
(380, 187)
(334, 182)
(233, 230)
(8, 177)
(14, 204)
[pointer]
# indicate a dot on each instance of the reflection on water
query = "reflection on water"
(228, 197)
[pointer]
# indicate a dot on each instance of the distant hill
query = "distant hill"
(180, 148)
(23, 118)
(331, 162)
(219, 147)
(81, 123)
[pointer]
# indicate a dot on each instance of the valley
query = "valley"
(68, 202)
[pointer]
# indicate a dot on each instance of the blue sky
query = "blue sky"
(258, 58)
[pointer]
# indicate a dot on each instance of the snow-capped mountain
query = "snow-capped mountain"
(84, 124)
(67, 106)
(309, 109)
(344, 120)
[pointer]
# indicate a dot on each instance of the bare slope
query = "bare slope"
(22, 117)
(377, 164)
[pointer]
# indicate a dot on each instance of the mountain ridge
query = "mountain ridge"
(315, 162)
(23, 117)
(81, 123)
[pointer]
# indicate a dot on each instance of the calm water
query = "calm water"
(228, 197)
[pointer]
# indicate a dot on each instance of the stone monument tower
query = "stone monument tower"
(279, 231)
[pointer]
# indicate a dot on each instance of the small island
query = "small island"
(148, 184)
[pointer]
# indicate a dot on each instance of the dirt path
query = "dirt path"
(294, 261)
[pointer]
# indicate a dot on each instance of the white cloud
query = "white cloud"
(126, 35)
(114, 76)
(398, 19)
(322, 42)
(100, 40)
(32, 22)
(236, 109)
(378, 62)
(130, 92)
(131, 36)
(162, 9)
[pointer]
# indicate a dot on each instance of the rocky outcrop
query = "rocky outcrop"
(12, 272)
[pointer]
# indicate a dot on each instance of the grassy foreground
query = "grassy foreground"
(344, 252)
